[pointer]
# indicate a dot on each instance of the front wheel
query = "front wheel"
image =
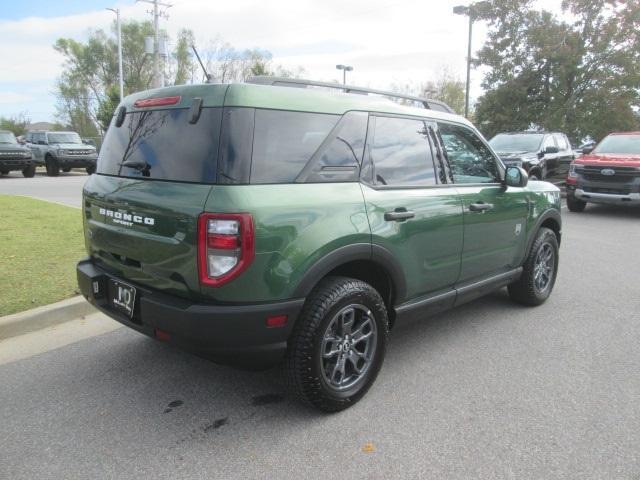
(91, 169)
(539, 270)
(51, 164)
(29, 172)
(574, 204)
(338, 344)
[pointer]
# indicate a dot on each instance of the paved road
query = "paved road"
(490, 390)
(65, 189)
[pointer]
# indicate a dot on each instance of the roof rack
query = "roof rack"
(301, 83)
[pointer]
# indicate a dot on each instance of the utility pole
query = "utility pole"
(119, 27)
(158, 78)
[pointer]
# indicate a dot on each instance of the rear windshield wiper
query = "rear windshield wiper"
(139, 165)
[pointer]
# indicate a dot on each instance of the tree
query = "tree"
(16, 124)
(446, 88)
(580, 76)
(87, 90)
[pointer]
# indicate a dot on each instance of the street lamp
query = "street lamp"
(472, 12)
(121, 80)
(345, 69)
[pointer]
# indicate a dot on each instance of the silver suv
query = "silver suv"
(61, 151)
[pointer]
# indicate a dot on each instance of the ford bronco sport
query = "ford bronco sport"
(14, 156)
(254, 223)
(61, 151)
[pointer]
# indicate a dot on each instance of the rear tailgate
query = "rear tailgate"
(154, 174)
(145, 231)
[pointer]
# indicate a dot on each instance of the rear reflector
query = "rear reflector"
(277, 321)
(162, 335)
(156, 102)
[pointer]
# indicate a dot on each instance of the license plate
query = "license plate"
(122, 297)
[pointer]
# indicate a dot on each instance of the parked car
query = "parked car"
(543, 155)
(608, 173)
(585, 146)
(61, 151)
(255, 223)
(14, 156)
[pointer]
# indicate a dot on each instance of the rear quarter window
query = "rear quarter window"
(283, 143)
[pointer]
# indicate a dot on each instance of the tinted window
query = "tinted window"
(470, 159)
(236, 145)
(283, 143)
(400, 152)
(162, 144)
(338, 158)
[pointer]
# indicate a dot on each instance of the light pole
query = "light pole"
(472, 12)
(345, 69)
(120, 78)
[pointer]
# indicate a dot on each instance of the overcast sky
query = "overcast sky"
(386, 41)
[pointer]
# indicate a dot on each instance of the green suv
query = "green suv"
(255, 223)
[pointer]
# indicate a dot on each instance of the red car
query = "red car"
(610, 173)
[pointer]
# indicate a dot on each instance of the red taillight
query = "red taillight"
(162, 335)
(156, 102)
(225, 246)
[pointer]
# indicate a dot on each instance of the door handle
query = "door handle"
(398, 215)
(480, 207)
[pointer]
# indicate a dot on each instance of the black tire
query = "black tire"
(51, 164)
(327, 307)
(4, 172)
(529, 290)
(535, 176)
(29, 172)
(91, 169)
(66, 169)
(575, 205)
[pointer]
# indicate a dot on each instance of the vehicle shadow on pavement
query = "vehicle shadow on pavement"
(609, 211)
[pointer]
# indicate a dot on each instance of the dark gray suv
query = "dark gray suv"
(544, 155)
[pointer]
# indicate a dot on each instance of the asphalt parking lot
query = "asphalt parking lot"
(489, 390)
(65, 188)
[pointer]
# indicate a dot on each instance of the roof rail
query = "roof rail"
(301, 83)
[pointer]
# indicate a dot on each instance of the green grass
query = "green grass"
(40, 244)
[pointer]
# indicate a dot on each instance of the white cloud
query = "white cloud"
(385, 40)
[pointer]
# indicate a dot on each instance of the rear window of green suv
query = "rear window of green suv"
(163, 145)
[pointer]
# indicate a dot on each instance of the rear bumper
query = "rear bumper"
(230, 334)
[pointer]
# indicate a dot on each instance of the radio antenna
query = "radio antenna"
(206, 74)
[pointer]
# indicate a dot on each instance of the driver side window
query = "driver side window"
(470, 159)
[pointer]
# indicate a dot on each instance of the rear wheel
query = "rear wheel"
(575, 205)
(4, 172)
(91, 169)
(51, 164)
(29, 171)
(66, 169)
(338, 344)
(539, 270)
(535, 175)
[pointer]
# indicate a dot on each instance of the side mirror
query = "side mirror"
(587, 150)
(551, 149)
(516, 177)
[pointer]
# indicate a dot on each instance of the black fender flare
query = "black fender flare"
(546, 215)
(349, 253)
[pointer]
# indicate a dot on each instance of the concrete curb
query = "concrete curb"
(42, 317)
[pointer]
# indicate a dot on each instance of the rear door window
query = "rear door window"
(163, 145)
(400, 152)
